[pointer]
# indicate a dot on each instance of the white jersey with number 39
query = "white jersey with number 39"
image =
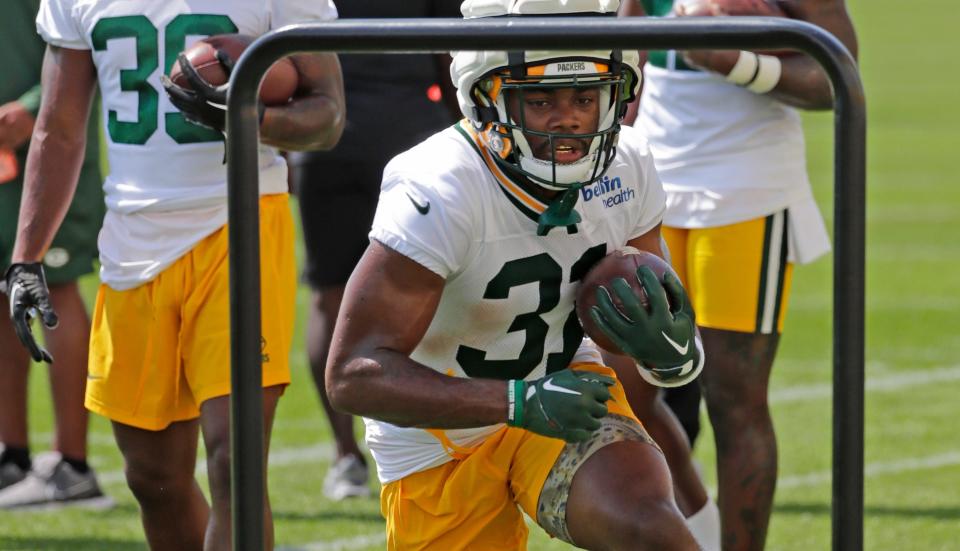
(166, 188)
(507, 306)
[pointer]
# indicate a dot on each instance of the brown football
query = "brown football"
(278, 85)
(620, 263)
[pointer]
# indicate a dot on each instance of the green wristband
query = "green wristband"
(515, 391)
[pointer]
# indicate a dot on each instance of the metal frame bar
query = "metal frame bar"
(441, 35)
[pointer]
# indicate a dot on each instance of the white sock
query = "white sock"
(705, 526)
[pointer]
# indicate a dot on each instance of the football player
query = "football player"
(63, 474)
(458, 341)
(159, 353)
(728, 144)
(337, 193)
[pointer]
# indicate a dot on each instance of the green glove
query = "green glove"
(566, 404)
(662, 338)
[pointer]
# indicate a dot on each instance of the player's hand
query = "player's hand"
(16, 125)
(203, 104)
(566, 404)
(26, 289)
(662, 337)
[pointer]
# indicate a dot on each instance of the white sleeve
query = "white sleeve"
(653, 203)
(287, 12)
(57, 23)
(419, 223)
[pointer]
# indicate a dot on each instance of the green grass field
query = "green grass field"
(913, 375)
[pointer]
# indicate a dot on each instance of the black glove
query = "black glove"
(26, 287)
(204, 104)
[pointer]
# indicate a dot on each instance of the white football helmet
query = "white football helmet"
(483, 77)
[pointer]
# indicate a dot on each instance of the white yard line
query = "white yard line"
(892, 382)
(872, 470)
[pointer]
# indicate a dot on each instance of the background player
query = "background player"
(64, 474)
(159, 354)
(457, 327)
(740, 213)
(338, 190)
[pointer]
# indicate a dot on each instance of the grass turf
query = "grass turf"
(913, 295)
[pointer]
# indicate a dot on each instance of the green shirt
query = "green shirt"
(21, 56)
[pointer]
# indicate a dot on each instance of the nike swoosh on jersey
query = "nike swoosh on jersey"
(422, 209)
(548, 385)
(681, 349)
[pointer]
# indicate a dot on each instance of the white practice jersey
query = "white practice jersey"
(166, 189)
(507, 308)
(727, 155)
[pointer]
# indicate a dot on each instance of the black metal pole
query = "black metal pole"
(441, 35)
(247, 476)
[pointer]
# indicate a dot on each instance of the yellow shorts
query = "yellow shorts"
(160, 350)
(470, 503)
(737, 276)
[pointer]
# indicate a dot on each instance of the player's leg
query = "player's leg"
(736, 396)
(621, 498)
(206, 348)
(137, 379)
(684, 401)
(215, 424)
(14, 359)
(337, 201)
(159, 466)
(743, 280)
(665, 429)
(14, 369)
(612, 491)
(68, 374)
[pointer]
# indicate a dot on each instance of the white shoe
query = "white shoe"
(347, 477)
(53, 481)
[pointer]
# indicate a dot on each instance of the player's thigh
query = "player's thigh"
(205, 337)
(545, 471)
(740, 274)
(337, 203)
(466, 503)
(135, 372)
(154, 458)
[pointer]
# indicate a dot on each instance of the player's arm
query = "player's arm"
(387, 307)
(50, 179)
(802, 82)
(661, 337)
(56, 151)
(314, 119)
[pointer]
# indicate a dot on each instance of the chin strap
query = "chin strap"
(560, 213)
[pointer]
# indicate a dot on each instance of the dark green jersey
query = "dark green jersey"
(657, 7)
(663, 58)
(21, 56)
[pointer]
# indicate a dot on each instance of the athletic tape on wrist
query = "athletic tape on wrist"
(515, 391)
(745, 69)
(757, 73)
(768, 74)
